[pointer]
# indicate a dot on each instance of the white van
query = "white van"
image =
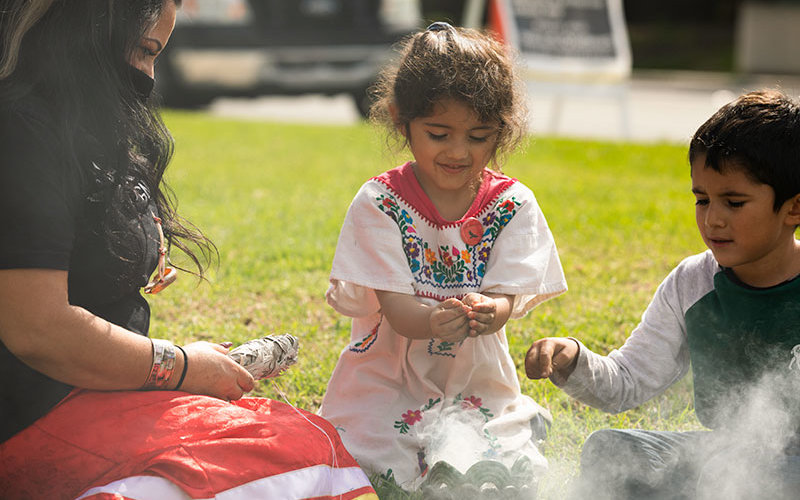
(287, 47)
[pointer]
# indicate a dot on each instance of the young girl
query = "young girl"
(433, 258)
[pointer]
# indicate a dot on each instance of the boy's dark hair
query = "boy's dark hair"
(445, 62)
(758, 133)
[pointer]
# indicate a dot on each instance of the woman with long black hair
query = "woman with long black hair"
(89, 404)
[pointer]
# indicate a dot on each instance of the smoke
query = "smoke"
(466, 461)
(755, 453)
(455, 437)
(752, 453)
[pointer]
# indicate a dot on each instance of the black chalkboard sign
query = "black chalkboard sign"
(569, 36)
(564, 28)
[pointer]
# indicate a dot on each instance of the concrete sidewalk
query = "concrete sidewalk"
(653, 106)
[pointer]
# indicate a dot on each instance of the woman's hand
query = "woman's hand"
(552, 355)
(211, 372)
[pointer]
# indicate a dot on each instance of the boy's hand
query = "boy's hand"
(550, 355)
(481, 314)
(449, 322)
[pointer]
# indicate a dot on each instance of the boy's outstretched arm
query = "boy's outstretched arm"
(552, 355)
(410, 318)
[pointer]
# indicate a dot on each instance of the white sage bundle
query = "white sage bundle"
(268, 356)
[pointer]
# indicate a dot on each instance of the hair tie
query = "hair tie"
(439, 26)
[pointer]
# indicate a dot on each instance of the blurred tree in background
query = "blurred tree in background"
(682, 34)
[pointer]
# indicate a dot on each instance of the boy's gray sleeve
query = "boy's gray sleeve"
(656, 354)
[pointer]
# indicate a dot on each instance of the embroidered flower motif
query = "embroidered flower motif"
(411, 417)
(388, 203)
(412, 249)
(483, 253)
(507, 205)
(494, 446)
(465, 256)
(474, 403)
(446, 258)
(430, 256)
(471, 403)
(407, 217)
(489, 219)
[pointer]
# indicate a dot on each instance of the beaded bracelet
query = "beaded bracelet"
(163, 364)
(185, 367)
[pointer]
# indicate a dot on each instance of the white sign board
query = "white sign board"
(568, 39)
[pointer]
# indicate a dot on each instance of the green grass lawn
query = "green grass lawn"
(273, 196)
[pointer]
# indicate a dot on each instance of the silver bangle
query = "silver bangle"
(163, 364)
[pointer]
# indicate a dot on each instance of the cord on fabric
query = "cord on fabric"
(334, 460)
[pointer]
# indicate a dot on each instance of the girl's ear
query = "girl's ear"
(793, 215)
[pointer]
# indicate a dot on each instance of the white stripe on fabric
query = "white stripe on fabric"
(141, 487)
(315, 481)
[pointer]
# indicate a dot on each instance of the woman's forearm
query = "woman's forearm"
(65, 342)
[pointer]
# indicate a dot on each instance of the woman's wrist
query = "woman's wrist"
(162, 366)
(184, 369)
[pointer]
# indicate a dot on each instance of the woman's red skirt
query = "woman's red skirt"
(174, 445)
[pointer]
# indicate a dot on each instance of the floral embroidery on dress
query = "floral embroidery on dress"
(412, 416)
(405, 222)
(365, 343)
(473, 403)
(446, 266)
(438, 347)
(494, 447)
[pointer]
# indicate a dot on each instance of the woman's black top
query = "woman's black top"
(55, 210)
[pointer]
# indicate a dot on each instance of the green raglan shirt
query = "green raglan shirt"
(737, 336)
(732, 336)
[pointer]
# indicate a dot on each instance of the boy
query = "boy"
(732, 312)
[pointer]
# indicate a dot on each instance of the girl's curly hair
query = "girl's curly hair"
(446, 62)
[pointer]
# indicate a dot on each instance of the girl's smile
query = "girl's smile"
(451, 147)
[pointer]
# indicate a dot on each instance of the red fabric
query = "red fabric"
(202, 444)
(403, 182)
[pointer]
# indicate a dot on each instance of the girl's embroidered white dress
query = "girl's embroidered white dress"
(401, 405)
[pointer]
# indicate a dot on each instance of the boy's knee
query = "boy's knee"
(600, 469)
(603, 445)
(620, 463)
